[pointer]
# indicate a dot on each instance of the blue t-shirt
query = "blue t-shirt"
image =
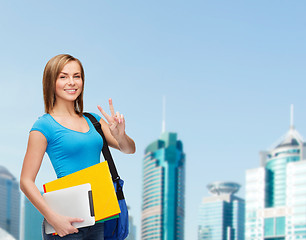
(69, 150)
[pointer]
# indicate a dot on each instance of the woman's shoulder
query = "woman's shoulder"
(44, 125)
(95, 115)
(42, 120)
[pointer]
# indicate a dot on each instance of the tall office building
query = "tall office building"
(31, 221)
(276, 192)
(221, 216)
(163, 189)
(5, 235)
(9, 203)
(132, 228)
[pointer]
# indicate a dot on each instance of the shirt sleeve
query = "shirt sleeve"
(42, 125)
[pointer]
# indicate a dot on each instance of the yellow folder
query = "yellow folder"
(103, 192)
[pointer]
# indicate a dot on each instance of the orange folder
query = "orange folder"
(103, 192)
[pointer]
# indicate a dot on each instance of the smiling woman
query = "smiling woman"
(69, 84)
(56, 70)
(70, 140)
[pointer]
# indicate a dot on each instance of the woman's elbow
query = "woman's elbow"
(132, 150)
(23, 184)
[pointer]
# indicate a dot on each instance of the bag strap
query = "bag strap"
(105, 149)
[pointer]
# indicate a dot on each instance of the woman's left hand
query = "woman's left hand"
(116, 122)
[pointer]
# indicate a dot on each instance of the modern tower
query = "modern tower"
(163, 189)
(5, 235)
(221, 216)
(9, 203)
(132, 228)
(276, 191)
(32, 221)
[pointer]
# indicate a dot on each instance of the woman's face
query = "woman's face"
(69, 82)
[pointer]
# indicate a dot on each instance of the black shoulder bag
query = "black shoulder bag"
(118, 228)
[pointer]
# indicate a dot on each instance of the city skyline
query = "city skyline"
(291, 139)
(229, 71)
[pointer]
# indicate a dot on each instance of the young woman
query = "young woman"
(70, 140)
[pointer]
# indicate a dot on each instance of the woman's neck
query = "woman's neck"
(63, 110)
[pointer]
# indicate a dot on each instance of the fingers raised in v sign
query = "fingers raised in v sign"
(114, 117)
(107, 117)
(115, 121)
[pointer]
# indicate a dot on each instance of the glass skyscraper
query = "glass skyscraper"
(32, 221)
(221, 216)
(9, 203)
(132, 228)
(276, 192)
(163, 200)
(5, 235)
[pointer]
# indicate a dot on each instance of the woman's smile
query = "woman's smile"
(70, 91)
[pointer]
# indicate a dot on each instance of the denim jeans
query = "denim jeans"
(95, 232)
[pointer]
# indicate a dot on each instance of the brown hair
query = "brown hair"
(52, 69)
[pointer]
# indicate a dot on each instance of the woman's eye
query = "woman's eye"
(77, 76)
(63, 77)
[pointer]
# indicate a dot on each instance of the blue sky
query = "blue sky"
(229, 71)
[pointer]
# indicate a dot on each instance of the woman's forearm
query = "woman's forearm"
(31, 191)
(62, 224)
(126, 144)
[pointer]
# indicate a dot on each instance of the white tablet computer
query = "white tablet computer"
(73, 202)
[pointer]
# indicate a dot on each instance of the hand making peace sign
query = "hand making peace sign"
(116, 122)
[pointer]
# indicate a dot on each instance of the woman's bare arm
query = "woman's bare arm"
(37, 145)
